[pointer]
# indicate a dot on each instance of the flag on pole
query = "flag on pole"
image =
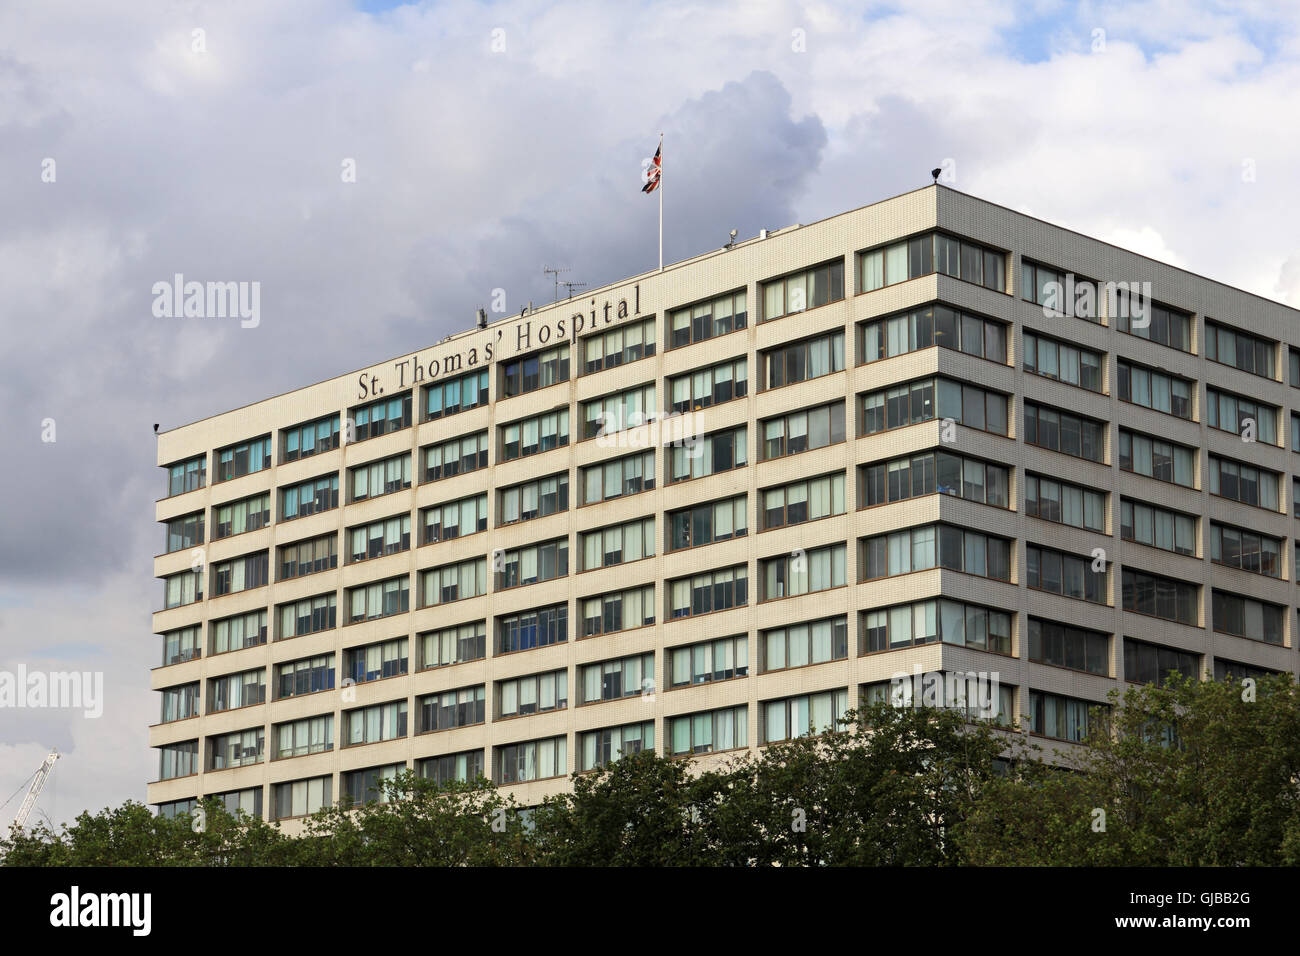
(651, 170)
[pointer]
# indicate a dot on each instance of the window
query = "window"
(803, 430)
(237, 690)
(799, 645)
(614, 680)
(176, 808)
(464, 767)
(933, 252)
(619, 411)
(380, 538)
(803, 290)
(538, 370)
(1247, 617)
(1152, 663)
(1061, 431)
(1240, 350)
(178, 760)
(933, 546)
(1225, 669)
(805, 715)
(802, 501)
(380, 477)
(1156, 390)
(1065, 574)
(619, 477)
(534, 694)
(532, 499)
(938, 619)
(1062, 645)
(1060, 293)
(618, 611)
(309, 497)
(1244, 483)
(453, 708)
(309, 557)
(240, 631)
(709, 661)
(1247, 550)
(240, 749)
(599, 748)
(367, 786)
(534, 760)
(455, 519)
(240, 574)
(369, 725)
(1295, 493)
(1156, 458)
(186, 532)
(707, 523)
(453, 582)
(516, 567)
(711, 591)
(247, 514)
(800, 361)
(1232, 413)
(376, 661)
(308, 616)
(528, 629)
(381, 599)
(532, 436)
(710, 386)
(458, 395)
(1064, 718)
(184, 645)
(381, 417)
(1157, 527)
(187, 476)
(965, 693)
(819, 569)
(707, 320)
(1293, 360)
(932, 325)
(313, 438)
(181, 589)
(617, 544)
(710, 455)
(455, 457)
(618, 346)
(930, 473)
(1150, 320)
(308, 676)
(302, 797)
(1159, 597)
(914, 402)
(245, 458)
(710, 731)
(1065, 503)
(311, 735)
(453, 645)
(180, 702)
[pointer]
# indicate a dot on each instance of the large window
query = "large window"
(309, 497)
(930, 398)
(1064, 718)
(613, 680)
(181, 702)
(379, 538)
(1060, 293)
(1247, 550)
(186, 532)
(710, 455)
(799, 645)
(539, 370)
(618, 346)
(239, 749)
(1155, 389)
(800, 361)
(187, 476)
(932, 325)
(248, 457)
(307, 616)
(455, 519)
(704, 524)
(534, 694)
(1159, 597)
(938, 619)
(711, 591)
(710, 731)
(308, 676)
(240, 574)
(934, 252)
(621, 410)
(308, 557)
(1066, 574)
(1066, 363)
(1063, 645)
(1153, 663)
(805, 715)
(1247, 617)
(453, 645)
(618, 611)
(1225, 669)
(313, 438)
(455, 457)
(186, 644)
(178, 760)
(806, 289)
(1244, 483)
(381, 417)
(1240, 350)
(617, 544)
(709, 661)
(710, 386)
(528, 629)
(369, 725)
(599, 748)
(801, 501)
(233, 691)
(532, 436)
(1152, 321)
(803, 430)
(367, 786)
(933, 546)
(381, 599)
(463, 767)
(298, 738)
(533, 499)
(247, 514)
(181, 589)
(1232, 413)
(786, 575)
(930, 473)
(380, 477)
(240, 631)
(618, 478)
(452, 708)
(533, 760)
(952, 690)
(458, 395)
(708, 319)
(531, 564)
(300, 798)
(453, 582)
(376, 661)
(1157, 458)
(1065, 503)
(1064, 432)
(1157, 527)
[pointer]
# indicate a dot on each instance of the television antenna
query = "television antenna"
(547, 270)
(573, 285)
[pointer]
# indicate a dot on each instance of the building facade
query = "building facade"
(715, 506)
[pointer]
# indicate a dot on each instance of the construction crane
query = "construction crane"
(34, 791)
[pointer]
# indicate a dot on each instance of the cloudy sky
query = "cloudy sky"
(141, 138)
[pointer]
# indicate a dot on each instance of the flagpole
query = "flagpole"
(661, 203)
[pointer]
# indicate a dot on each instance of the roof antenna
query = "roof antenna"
(935, 173)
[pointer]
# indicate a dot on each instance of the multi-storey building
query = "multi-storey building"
(713, 506)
